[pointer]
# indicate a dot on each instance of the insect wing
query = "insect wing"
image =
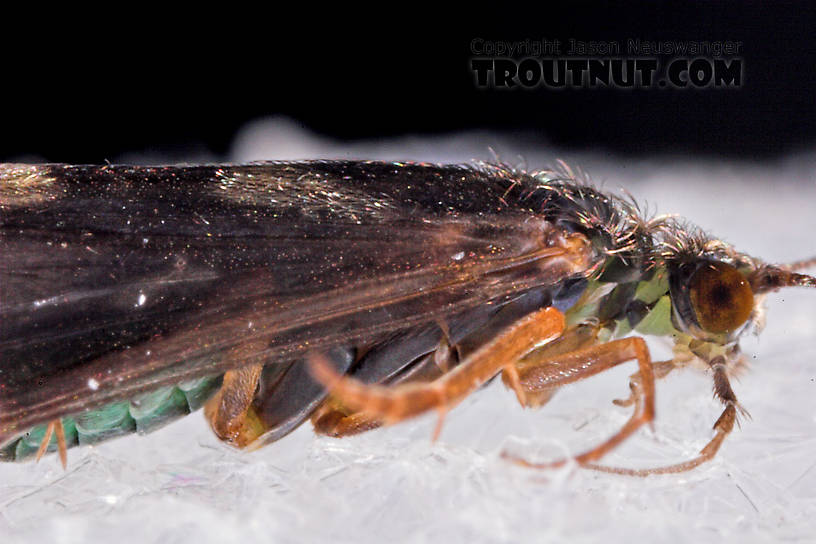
(118, 280)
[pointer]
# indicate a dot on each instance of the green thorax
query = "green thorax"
(618, 308)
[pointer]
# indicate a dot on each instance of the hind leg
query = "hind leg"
(408, 400)
(334, 419)
(55, 427)
(230, 412)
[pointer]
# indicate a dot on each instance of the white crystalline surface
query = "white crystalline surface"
(181, 485)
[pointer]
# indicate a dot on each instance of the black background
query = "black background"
(77, 89)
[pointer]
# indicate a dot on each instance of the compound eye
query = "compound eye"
(721, 297)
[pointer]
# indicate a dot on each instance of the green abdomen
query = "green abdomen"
(141, 414)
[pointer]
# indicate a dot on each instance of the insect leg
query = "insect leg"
(336, 420)
(409, 400)
(284, 402)
(462, 336)
(49, 430)
(55, 426)
(229, 410)
(536, 394)
(583, 363)
(256, 406)
(723, 426)
(661, 369)
(333, 419)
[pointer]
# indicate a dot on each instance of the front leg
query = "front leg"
(722, 428)
(582, 363)
(660, 369)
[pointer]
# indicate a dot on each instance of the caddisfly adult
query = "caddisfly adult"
(130, 296)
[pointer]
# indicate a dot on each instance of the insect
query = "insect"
(131, 296)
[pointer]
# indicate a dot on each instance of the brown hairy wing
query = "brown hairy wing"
(117, 280)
